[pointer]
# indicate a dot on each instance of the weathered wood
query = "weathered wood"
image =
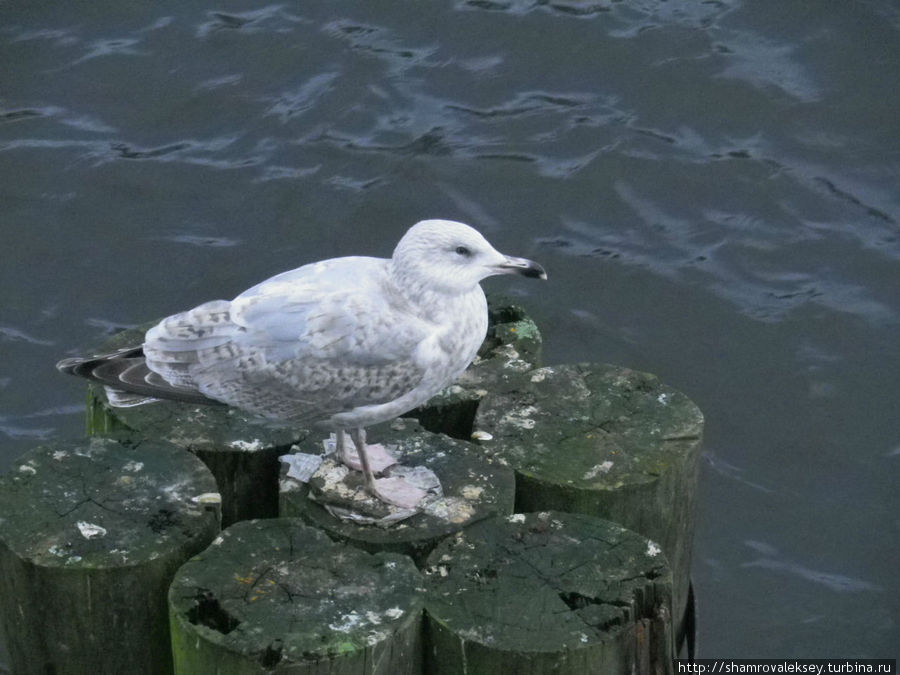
(474, 488)
(276, 596)
(241, 450)
(548, 593)
(91, 533)
(605, 441)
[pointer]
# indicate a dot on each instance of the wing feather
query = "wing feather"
(303, 345)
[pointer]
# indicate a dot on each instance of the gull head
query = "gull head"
(451, 257)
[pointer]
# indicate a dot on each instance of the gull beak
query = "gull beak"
(523, 266)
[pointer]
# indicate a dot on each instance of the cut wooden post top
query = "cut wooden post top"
(590, 425)
(277, 592)
(548, 592)
(98, 503)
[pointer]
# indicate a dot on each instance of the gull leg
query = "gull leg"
(378, 458)
(394, 491)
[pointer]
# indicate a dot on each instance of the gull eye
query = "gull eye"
(463, 251)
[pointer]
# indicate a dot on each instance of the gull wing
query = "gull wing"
(301, 346)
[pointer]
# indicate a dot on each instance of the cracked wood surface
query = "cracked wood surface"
(549, 592)
(275, 595)
(474, 488)
(91, 532)
(605, 441)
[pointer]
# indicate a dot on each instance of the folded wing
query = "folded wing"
(301, 346)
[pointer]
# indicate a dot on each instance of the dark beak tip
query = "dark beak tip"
(536, 272)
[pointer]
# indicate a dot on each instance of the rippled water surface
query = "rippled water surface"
(712, 186)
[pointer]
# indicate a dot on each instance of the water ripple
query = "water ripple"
(379, 42)
(272, 18)
(839, 583)
(10, 334)
(293, 103)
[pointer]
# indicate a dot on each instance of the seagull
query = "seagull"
(339, 344)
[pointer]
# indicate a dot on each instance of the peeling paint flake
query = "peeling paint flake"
(347, 622)
(90, 530)
(247, 446)
(595, 471)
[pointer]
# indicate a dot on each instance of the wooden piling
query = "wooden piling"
(605, 441)
(91, 533)
(474, 488)
(548, 593)
(276, 596)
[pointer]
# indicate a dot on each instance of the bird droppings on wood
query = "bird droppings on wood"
(631, 446)
(547, 592)
(473, 488)
(90, 530)
(98, 509)
(247, 446)
(275, 587)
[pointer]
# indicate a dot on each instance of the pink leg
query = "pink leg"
(394, 491)
(379, 458)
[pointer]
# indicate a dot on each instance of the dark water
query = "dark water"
(712, 186)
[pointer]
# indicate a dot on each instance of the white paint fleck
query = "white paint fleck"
(375, 637)
(346, 623)
(539, 375)
(90, 530)
(594, 471)
(247, 446)
(60, 454)
(451, 509)
(472, 491)
(207, 498)
(663, 398)
(652, 549)
(133, 466)
(482, 436)
(218, 541)
(394, 613)
(516, 518)
(26, 468)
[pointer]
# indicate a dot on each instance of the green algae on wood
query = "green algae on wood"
(605, 441)
(474, 488)
(548, 592)
(241, 450)
(91, 533)
(276, 596)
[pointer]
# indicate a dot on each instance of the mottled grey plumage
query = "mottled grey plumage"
(342, 343)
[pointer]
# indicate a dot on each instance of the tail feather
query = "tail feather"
(126, 371)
